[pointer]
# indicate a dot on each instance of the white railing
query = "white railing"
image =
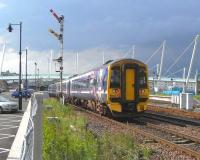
(23, 145)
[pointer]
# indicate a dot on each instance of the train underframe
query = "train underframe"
(104, 109)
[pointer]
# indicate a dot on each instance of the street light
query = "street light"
(20, 66)
(26, 80)
(38, 70)
(26, 70)
(35, 75)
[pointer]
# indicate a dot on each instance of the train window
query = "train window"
(115, 77)
(104, 79)
(142, 78)
(93, 82)
(105, 82)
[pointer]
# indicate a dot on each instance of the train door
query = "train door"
(129, 81)
(130, 84)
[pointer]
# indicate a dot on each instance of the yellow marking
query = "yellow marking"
(142, 106)
(115, 93)
(130, 90)
(115, 107)
(144, 93)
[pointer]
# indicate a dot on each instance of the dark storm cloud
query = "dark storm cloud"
(116, 24)
(119, 23)
(113, 23)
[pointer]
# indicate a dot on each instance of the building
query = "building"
(168, 83)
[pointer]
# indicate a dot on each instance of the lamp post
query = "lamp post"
(38, 72)
(20, 66)
(26, 70)
(26, 79)
(35, 75)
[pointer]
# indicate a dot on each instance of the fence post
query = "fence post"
(37, 152)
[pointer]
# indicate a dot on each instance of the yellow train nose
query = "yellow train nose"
(141, 107)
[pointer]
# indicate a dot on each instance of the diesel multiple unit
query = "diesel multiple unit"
(118, 88)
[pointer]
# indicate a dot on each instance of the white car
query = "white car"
(7, 106)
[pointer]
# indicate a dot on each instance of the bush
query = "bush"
(66, 138)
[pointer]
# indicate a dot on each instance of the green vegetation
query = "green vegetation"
(66, 138)
(196, 97)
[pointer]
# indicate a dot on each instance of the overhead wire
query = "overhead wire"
(154, 53)
(127, 53)
(175, 72)
(175, 62)
(152, 67)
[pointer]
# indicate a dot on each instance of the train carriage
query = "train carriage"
(118, 87)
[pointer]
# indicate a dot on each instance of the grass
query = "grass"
(196, 97)
(66, 138)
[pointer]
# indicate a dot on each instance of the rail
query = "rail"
(179, 134)
(134, 130)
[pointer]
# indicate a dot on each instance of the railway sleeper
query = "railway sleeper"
(166, 120)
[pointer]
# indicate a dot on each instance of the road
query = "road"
(9, 123)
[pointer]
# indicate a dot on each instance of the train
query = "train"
(119, 88)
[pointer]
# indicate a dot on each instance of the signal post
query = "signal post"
(59, 36)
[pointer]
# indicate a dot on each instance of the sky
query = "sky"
(94, 27)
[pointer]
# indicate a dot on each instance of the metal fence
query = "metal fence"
(28, 143)
(23, 146)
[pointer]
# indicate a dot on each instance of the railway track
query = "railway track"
(176, 140)
(168, 109)
(181, 121)
(178, 134)
(183, 141)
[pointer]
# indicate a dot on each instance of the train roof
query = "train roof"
(106, 64)
(109, 62)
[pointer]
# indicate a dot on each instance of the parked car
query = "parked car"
(7, 106)
(25, 93)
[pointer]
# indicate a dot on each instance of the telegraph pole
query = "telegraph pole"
(26, 70)
(38, 78)
(4, 49)
(35, 76)
(59, 36)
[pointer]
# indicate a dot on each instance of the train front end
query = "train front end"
(128, 89)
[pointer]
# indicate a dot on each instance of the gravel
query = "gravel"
(99, 127)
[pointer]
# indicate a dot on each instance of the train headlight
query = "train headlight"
(116, 92)
(143, 92)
